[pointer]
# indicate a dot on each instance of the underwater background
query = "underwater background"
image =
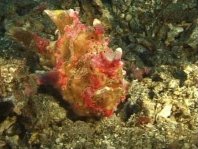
(159, 42)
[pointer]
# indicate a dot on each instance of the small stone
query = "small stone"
(122, 15)
(166, 111)
(173, 84)
(128, 17)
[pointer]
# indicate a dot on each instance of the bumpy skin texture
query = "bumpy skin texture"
(85, 70)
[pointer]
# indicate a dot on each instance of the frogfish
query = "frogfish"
(83, 68)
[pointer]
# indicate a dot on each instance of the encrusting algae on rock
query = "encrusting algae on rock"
(85, 70)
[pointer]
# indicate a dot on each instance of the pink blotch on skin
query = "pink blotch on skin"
(106, 66)
(41, 43)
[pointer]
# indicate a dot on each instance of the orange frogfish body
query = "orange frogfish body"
(88, 73)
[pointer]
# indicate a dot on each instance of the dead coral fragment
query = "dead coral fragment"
(85, 70)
